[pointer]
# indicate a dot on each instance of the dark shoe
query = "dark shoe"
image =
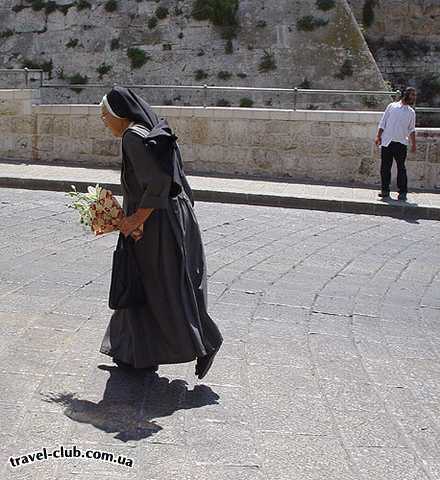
(402, 196)
(383, 194)
(152, 369)
(127, 366)
(204, 364)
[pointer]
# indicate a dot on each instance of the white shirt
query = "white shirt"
(398, 122)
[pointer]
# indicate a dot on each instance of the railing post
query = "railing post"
(205, 96)
(26, 76)
(41, 78)
(295, 98)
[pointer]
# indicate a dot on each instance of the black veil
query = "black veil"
(127, 104)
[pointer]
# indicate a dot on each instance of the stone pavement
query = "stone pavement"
(330, 368)
(233, 190)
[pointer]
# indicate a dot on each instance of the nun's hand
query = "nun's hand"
(129, 225)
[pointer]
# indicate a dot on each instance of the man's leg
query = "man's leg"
(402, 179)
(385, 169)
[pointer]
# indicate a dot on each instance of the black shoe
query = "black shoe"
(204, 364)
(402, 196)
(383, 194)
(127, 366)
(152, 369)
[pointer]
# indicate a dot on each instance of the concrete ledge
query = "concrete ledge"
(233, 190)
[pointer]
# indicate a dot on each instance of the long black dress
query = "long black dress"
(173, 326)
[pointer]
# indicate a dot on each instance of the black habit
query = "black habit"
(173, 326)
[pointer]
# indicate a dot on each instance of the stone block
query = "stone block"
(237, 132)
(79, 126)
(267, 161)
(217, 132)
(319, 147)
(61, 127)
(111, 148)
(24, 124)
(354, 148)
(7, 124)
(44, 124)
(433, 155)
(45, 143)
(320, 129)
(9, 107)
(199, 130)
(23, 142)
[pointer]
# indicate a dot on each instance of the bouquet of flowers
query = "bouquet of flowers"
(99, 210)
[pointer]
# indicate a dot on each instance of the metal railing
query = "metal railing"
(296, 92)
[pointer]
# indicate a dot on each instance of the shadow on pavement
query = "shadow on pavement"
(132, 401)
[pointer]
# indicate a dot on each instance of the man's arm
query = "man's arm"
(382, 125)
(412, 133)
(378, 140)
(412, 137)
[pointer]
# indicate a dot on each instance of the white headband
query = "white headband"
(108, 107)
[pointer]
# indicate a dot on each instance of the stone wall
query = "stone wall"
(404, 37)
(314, 146)
(78, 42)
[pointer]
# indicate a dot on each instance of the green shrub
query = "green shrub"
(167, 46)
(305, 84)
(72, 43)
(261, 24)
(346, 70)
(201, 52)
(200, 75)
(18, 8)
(78, 79)
(103, 69)
(368, 13)
(63, 8)
(223, 75)
(152, 23)
(429, 88)
(111, 5)
(310, 23)
(267, 62)
(325, 4)
(46, 66)
(177, 11)
(38, 5)
(246, 102)
(369, 102)
(50, 7)
(114, 44)
(138, 57)
(242, 75)
(223, 103)
(162, 12)
(6, 33)
(180, 35)
(82, 5)
(222, 13)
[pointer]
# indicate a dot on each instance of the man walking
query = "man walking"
(397, 125)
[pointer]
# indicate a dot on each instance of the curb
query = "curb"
(394, 209)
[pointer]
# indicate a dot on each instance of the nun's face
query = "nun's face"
(116, 125)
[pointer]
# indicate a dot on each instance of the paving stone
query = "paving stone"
(329, 368)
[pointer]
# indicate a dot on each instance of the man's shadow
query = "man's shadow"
(132, 401)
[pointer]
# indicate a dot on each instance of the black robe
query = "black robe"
(173, 326)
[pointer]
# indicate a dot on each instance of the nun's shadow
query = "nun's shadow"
(131, 402)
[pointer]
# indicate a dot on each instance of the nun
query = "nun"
(172, 325)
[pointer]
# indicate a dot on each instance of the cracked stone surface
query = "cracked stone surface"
(330, 367)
